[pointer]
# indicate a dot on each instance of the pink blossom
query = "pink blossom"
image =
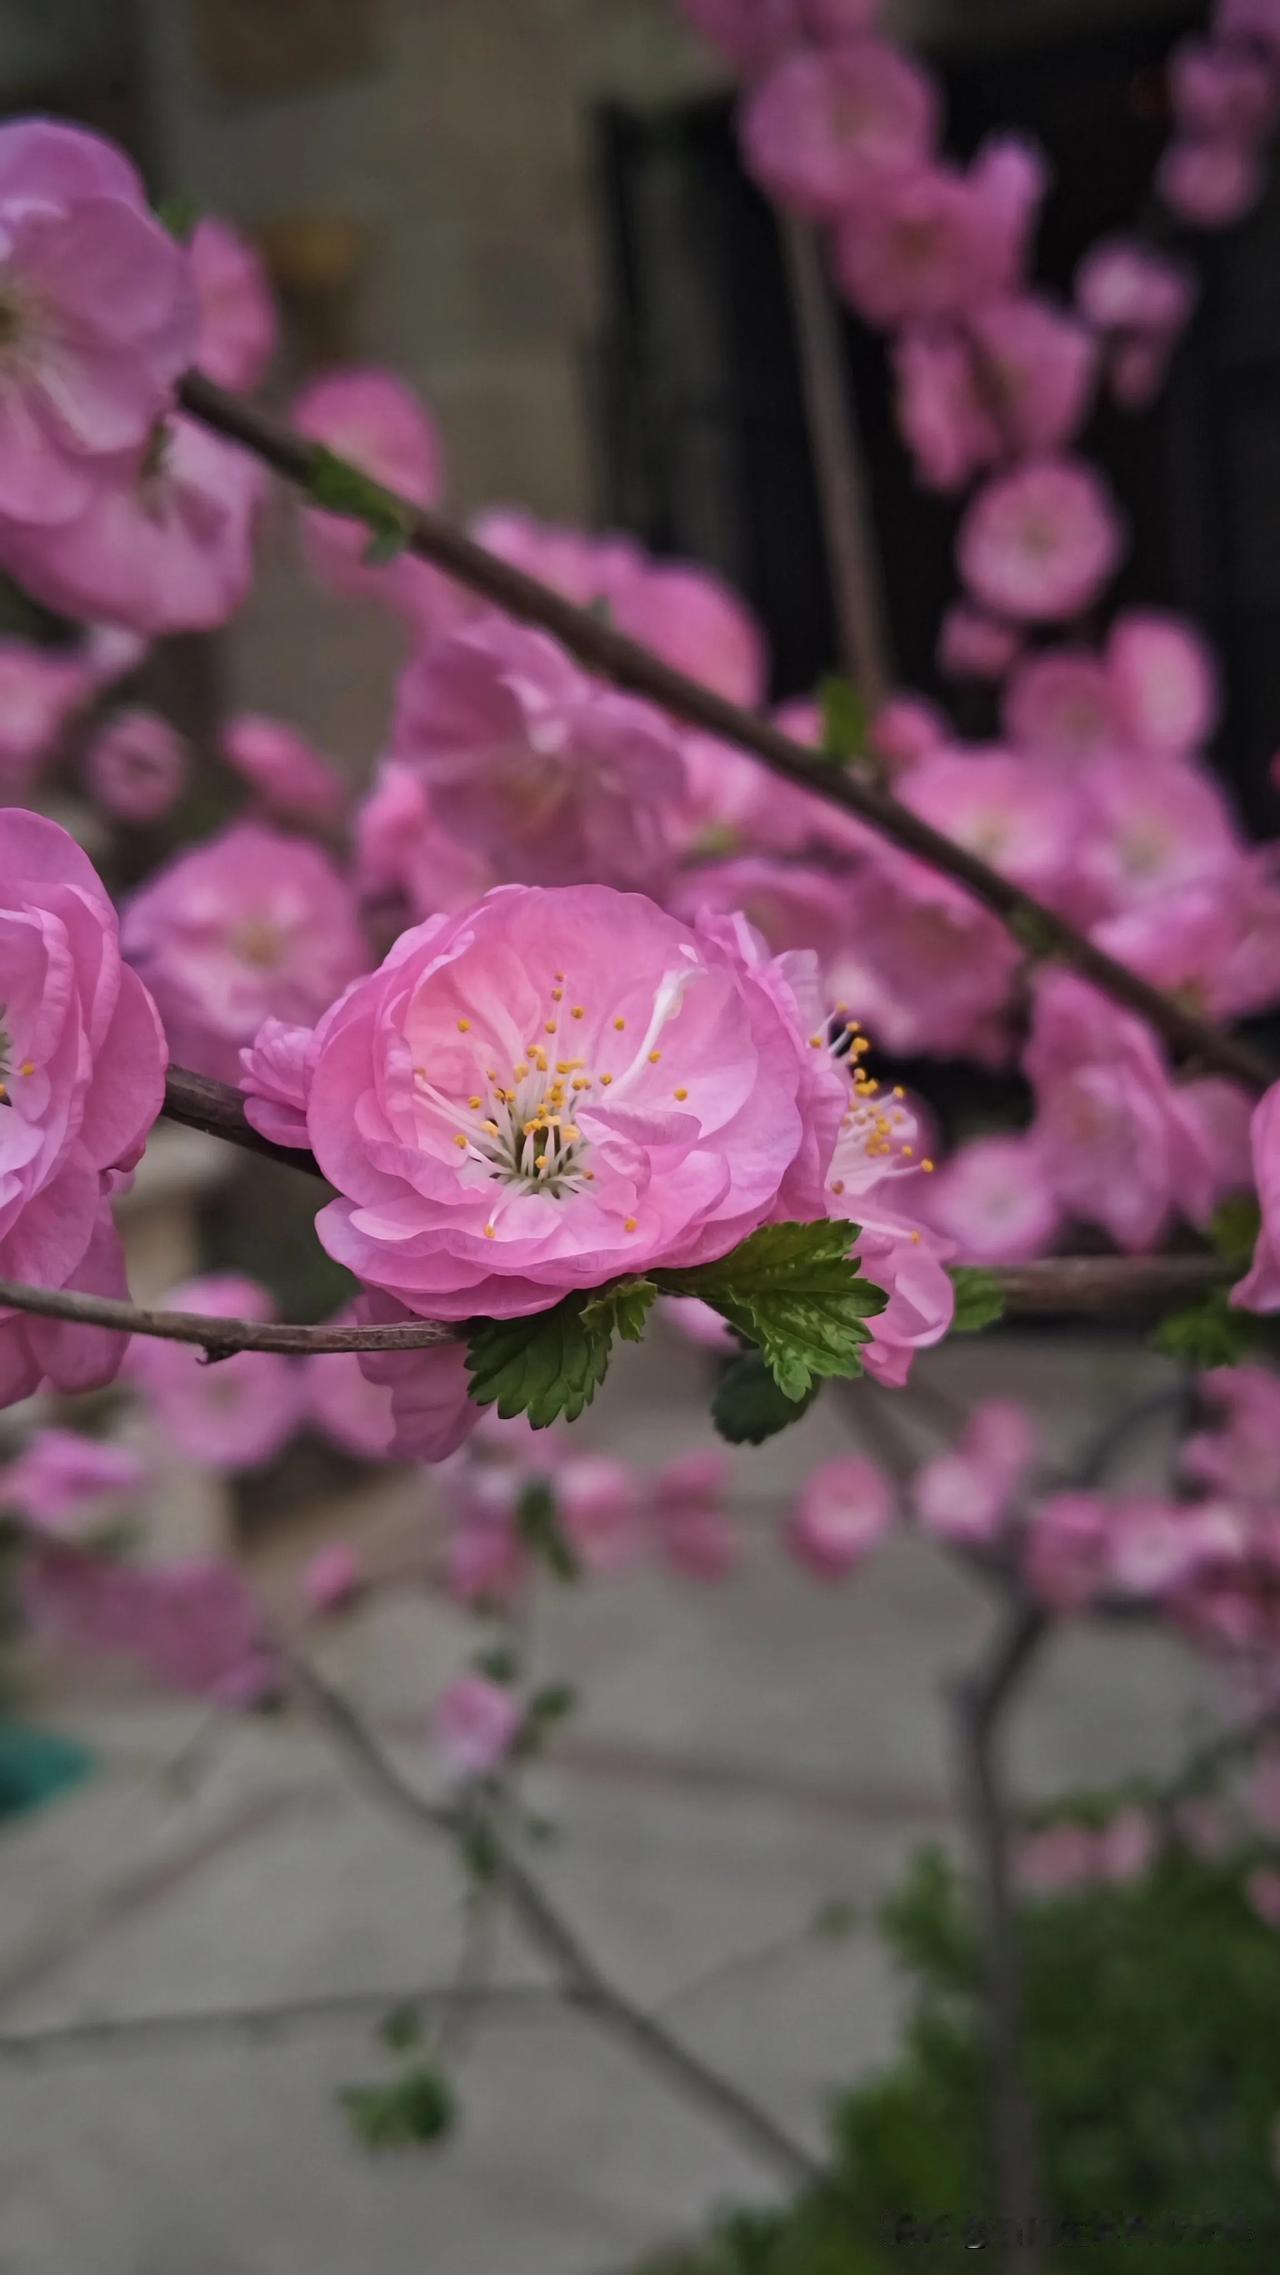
(843, 1513)
(82, 1060)
(1253, 22)
(974, 645)
(404, 855)
(1165, 681)
(751, 34)
(136, 768)
(993, 1202)
(906, 729)
(699, 1324)
(1065, 1549)
(948, 427)
(235, 1415)
(439, 1100)
(167, 546)
(239, 328)
(1060, 704)
(1153, 1547)
(1058, 1859)
(687, 1497)
(872, 1171)
(377, 423)
(1140, 301)
(1116, 1150)
(547, 773)
(1127, 1847)
(596, 1501)
(343, 1404)
(1039, 543)
(926, 241)
(68, 1487)
(248, 926)
(791, 905)
(1149, 832)
(332, 1578)
(966, 1494)
(1210, 181)
(1001, 807)
(40, 688)
(927, 969)
(1038, 366)
(1259, 1290)
(1263, 1891)
(432, 1412)
(292, 780)
(476, 1723)
(192, 1625)
(821, 127)
(275, 1075)
(486, 1561)
(1222, 90)
(100, 320)
(1213, 943)
(1239, 1453)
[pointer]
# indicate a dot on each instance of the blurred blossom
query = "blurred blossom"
(1140, 302)
(40, 689)
(376, 422)
(967, 1494)
(136, 768)
(975, 645)
(596, 1500)
(1210, 181)
(332, 1578)
(1065, 1549)
(993, 1200)
(475, 1723)
(1260, 1288)
(292, 780)
(927, 241)
(343, 1404)
(68, 1487)
(844, 1511)
(239, 327)
(234, 1414)
(192, 1625)
(688, 1502)
(821, 127)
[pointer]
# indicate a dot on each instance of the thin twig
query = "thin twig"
(839, 468)
(1060, 1285)
(127, 2033)
(551, 1934)
(603, 649)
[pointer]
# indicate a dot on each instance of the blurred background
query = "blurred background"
(533, 209)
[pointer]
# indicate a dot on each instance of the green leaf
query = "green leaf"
(979, 1301)
(796, 1293)
(542, 1532)
(179, 214)
(1210, 1333)
(547, 1367)
(623, 1308)
(844, 720)
(480, 1851)
(401, 2028)
(412, 2110)
(553, 1703)
(338, 487)
(1235, 1228)
(748, 1406)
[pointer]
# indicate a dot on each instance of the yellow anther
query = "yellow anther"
(928, 1167)
(630, 1225)
(557, 995)
(605, 1080)
(28, 1066)
(540, 1161)
(464, 1026)
(908, 1152)
(460, 1140)
(550, 1027)
(492, 1128)
(654, 1057)
(618, 1025)
(489, 1232)
(475, 1104)
(838, 1187)
(681, 1094)
(898, 1090)
(579, 1011)
(569, 1066)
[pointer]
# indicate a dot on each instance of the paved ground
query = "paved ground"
(743, 1755)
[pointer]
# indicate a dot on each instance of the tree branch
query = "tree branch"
(839, 468)
(602, 649)
(112, 2034)
(199, 1103)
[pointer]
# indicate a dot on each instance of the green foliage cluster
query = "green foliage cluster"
(1153, 2051)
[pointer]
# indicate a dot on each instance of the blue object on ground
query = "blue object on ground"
(36, 1764)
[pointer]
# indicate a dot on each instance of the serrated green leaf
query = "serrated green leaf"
(1210, 1333)
(412, 2110)
(794, 1291)
(337, 486)
(844, 720)
(623, 1308)
(979, 1300)
(548, 1367)
(748, 1406)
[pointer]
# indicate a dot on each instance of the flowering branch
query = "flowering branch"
(1039, 928)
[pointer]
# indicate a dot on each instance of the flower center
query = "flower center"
(258, 943)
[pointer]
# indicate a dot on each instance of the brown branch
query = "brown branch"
(1092, 1284)
(602, 649)
(839, 468)
(202, 1104)
(576, 1969)
(112, 2034)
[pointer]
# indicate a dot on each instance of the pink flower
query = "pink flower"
(444, 1084)
(844, 1511)
(927, 969)
(906, 729)
(1165, 681)
(1116, 1149)
(343, 1404)
(1148, 832)
(193, 1625)
(1061, 704)
(235, 1415)
(100, 319)
(1153, 1547)
(486, 1561)
(966, 1495)
(1259, 1290)
(687, 1497)
(1065, 1549)
(403, 854)
(948, 427)
(544, 771)
(432, 1413)
(1058, 1859)
(1215, 943)
(750, 34)
(872, 1173)
(246, 927)
(82, 1060)
(1037, 367)
(476, 1723)
(1001, 807)
(239, 328)
(136, 768)
(1263, 1891)
(791, 905)
(332, 1578)
(1140, 301)
(1127, 1847)
(973, 645)
(275, 1074)
(39, 690)
(993, 1202)
(1240, 1455)
(293, 781)
(1039, 543)
(1210, 181)
(377, 423)
(926, 241)
(596, 1501)
(821, 127)
(68, 1487)
(1222, 90)
(166, 546)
